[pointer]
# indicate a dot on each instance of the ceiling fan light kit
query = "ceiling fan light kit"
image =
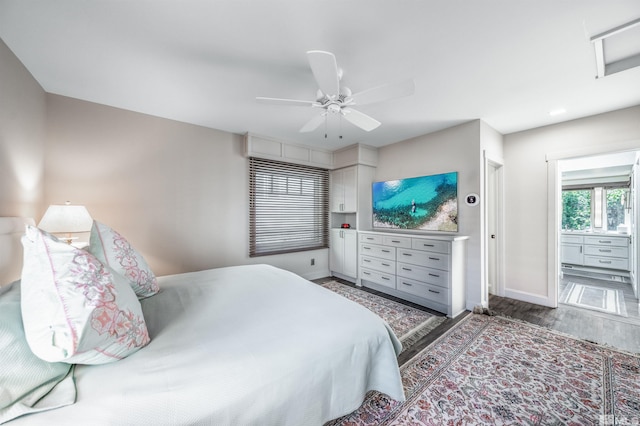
(338, 100)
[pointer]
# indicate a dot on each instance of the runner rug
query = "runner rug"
(496, 371)
(409, 324)
(596, 298)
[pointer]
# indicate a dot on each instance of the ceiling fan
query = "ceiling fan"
(336, 99)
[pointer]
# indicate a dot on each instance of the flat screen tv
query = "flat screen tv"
(426, 203)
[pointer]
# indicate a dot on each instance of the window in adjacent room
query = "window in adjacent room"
(576, 209)
(288, 207)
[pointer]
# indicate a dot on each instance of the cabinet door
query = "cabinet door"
(350, 264)
(336, 252)
(337, 190)
(350, 185)
(571, 253)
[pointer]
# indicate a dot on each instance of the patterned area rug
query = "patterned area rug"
(596, 298)
(496, 371)
(408, 323)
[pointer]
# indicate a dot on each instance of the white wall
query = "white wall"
(456, 149)
(526, 194)
(22, 121)
(178, 192)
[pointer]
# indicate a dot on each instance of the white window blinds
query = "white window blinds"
(288, 207)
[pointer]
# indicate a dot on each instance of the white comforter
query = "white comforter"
(249, 345)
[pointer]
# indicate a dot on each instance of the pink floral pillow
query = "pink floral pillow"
(114, 250)
(74, 308)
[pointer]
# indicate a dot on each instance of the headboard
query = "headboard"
(11, 230)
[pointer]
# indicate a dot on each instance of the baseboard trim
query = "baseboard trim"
(316, 275)
(523, 296)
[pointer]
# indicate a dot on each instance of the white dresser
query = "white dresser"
(595, 251)
(425, 269)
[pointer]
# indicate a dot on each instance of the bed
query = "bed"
(242, 345)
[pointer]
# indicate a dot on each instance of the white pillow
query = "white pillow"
(74, 308)
(114, 250)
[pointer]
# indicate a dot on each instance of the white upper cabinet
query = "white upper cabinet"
(344, 190)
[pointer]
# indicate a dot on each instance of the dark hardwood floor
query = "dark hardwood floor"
(608, 329)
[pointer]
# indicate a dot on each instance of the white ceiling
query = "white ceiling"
(507, 62)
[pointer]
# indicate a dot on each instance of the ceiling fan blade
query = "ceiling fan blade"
(359, 119)
(384, 92)
(325, 70)
(313, 124)
(291, 102)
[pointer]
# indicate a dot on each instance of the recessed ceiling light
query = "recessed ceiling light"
(557, 111)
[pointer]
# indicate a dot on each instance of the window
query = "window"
(599, 208)
(576, 209)
(288, 207)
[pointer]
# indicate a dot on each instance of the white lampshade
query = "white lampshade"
(66, 219)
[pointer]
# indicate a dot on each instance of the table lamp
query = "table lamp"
(66, 219)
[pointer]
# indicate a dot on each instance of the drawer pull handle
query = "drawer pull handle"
(385, 278)
(433, 291)
(366, 273)
(434, 258)
(395, 241)
(406, 269)
(386, 251)
(407, 254)
(604, 241)
(385, 264)
(370, 238)
(605, 261)
(434, 275)
(409, 284)
(366, 248)
(367, 260)
(604, 251)
(428, 245)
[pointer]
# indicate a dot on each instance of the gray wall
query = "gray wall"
(22, 138)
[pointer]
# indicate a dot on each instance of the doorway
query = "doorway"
(494, 227)
(598, 210)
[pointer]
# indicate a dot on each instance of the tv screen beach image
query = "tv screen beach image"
(428, 203)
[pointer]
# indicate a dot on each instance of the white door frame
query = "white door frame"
(498, 164)
(554, 193)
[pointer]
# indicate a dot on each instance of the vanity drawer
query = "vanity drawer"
(396, 241)
(606, 240)
(573, 239)
(381, 265)
(607, 262)
(371, 238)
(378, 251)
(434, 293)
(430, 260)
(426, 275)
(430, 245)
(381, 278)
(613, 251)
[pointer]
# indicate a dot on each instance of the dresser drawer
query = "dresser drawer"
(396, 241)
(603, 251)
(387, 280)
(381, 265)
(431, 245)
(378, 251)
(425, 275)
(607, 262)
(430, 260)
(606, 240)
(371, 238)
(434, 293)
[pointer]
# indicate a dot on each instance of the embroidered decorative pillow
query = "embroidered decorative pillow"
(74, 308)
(114, 250)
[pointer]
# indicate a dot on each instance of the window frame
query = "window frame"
(280, 218)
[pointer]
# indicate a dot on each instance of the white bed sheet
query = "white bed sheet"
(248, 345)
